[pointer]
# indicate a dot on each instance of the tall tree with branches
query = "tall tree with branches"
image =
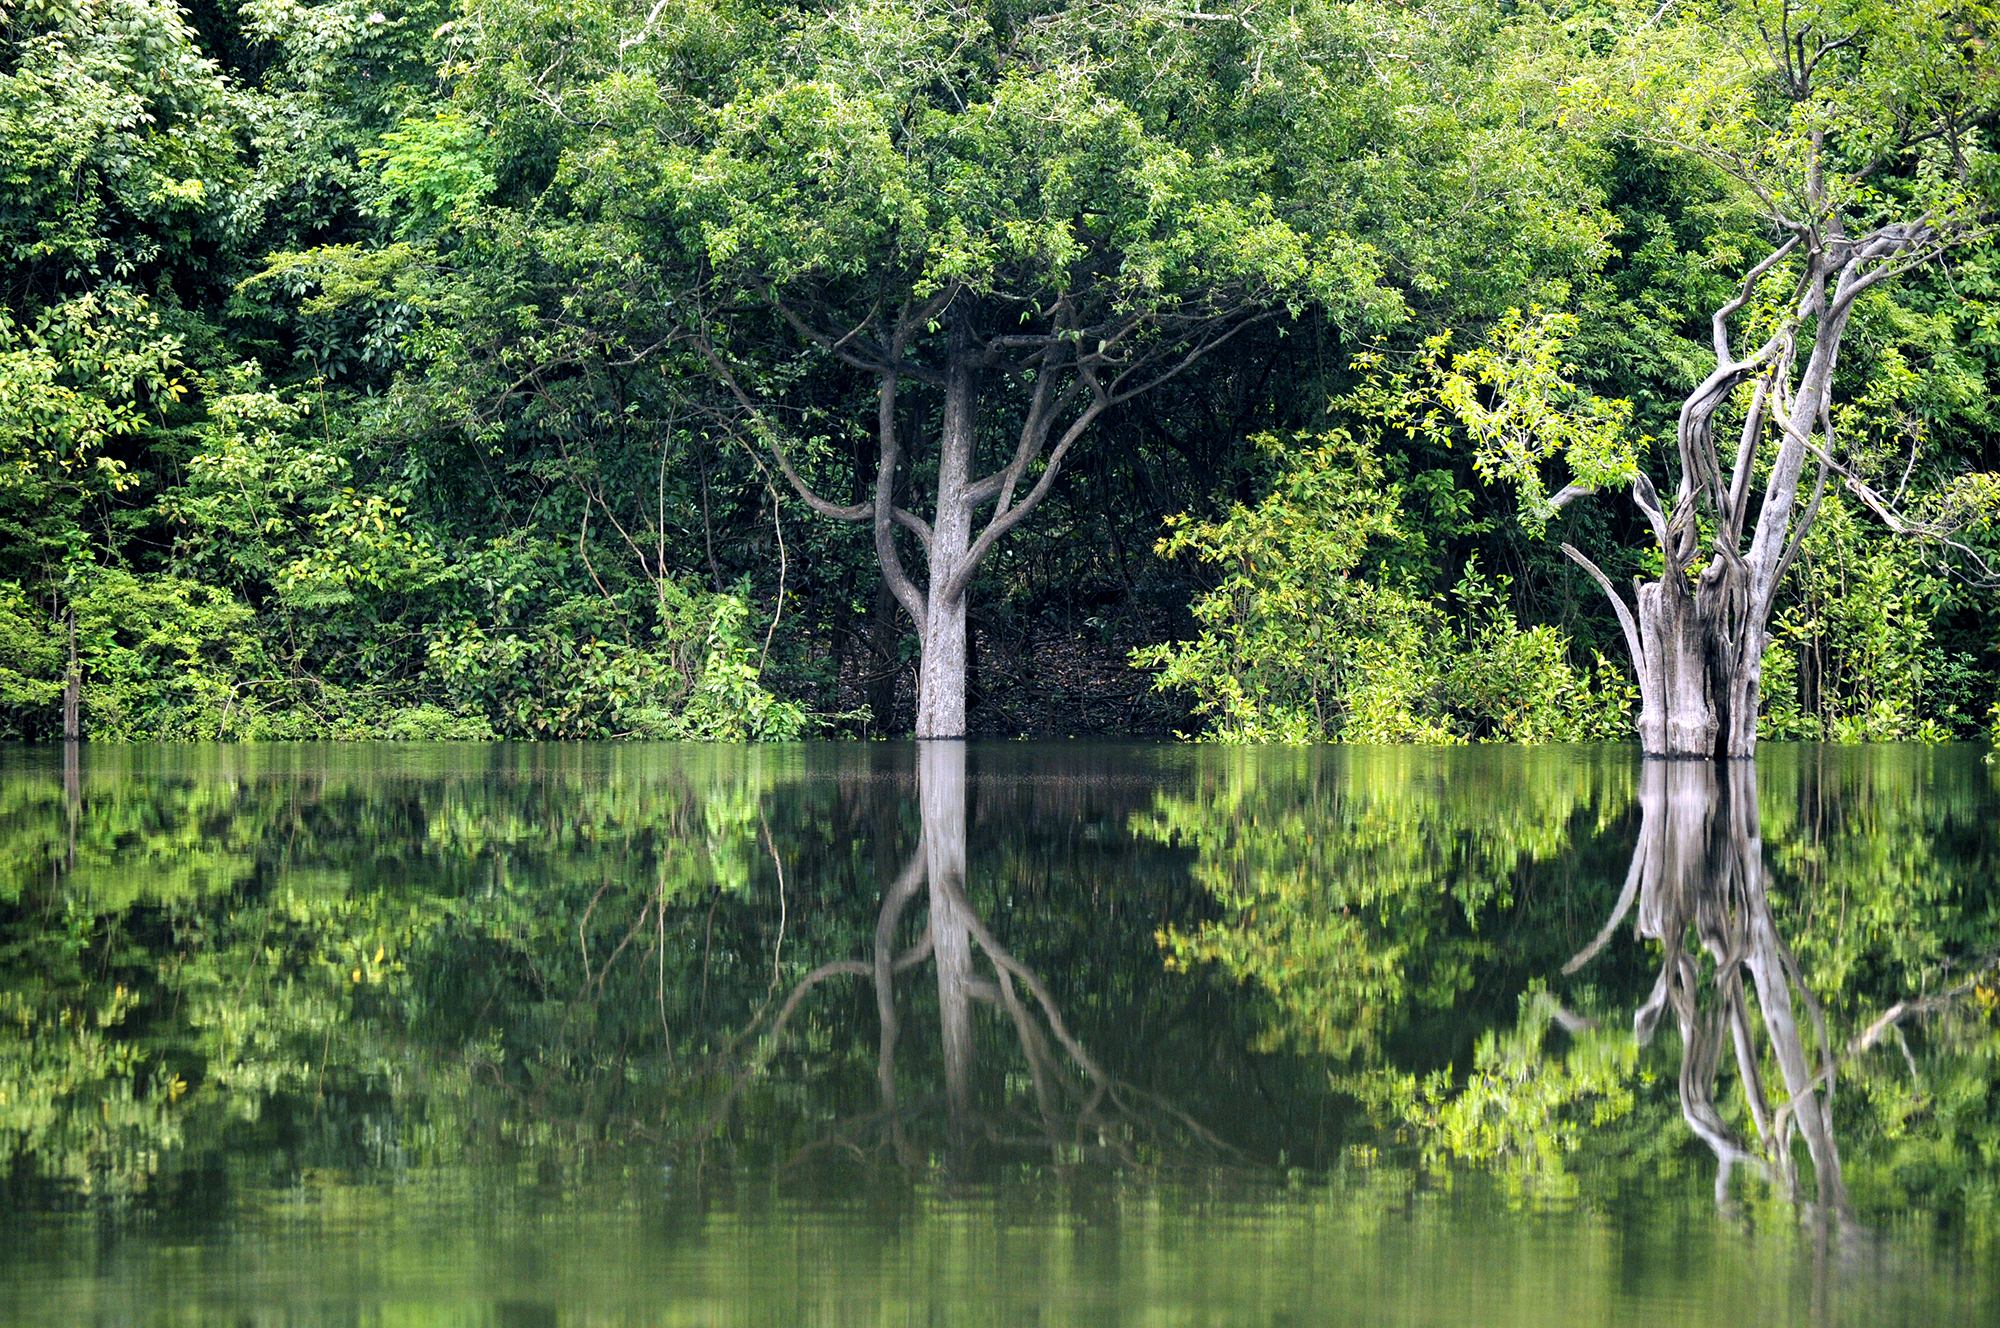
(1859, 132)
(1004, 229)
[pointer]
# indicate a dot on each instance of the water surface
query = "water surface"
(1007, 1034)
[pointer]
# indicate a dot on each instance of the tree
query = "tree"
(984, 221)
(1856, 132)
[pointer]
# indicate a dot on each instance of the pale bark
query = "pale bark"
(941, 671)
(1697, 634)
(1072, 364)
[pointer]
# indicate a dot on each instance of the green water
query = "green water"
(1007, 1034)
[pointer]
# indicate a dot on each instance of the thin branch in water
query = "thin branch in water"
(770, 845)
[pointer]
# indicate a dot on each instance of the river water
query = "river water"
(1119, 1034)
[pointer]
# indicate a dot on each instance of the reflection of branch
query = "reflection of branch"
(838, 968)
(770, 845)
(1107, 1115)
(1618, 912)
(1006, 965)
(1901, 1010)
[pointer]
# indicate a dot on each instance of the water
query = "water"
(1013, 1034)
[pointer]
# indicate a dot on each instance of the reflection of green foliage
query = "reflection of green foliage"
(78, 1099)
(1355, 888)
(229, 953)
(248, 930)
(1522, 1111)
(1882, 863)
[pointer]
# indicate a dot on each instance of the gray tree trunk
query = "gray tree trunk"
(941, 670)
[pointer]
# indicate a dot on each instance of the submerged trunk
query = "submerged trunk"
(1701, 666)
(941, 671)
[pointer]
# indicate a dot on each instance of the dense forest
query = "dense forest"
(738, 369)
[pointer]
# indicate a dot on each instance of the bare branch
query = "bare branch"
(1003, 522)
(1034, 433)
(1746, 454)
(1633, 641)
(773, 437)
(1719, 324)
(1647, 499)
(898, 580)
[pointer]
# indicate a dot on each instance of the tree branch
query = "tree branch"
(1004, 521)
(1719, 324)
(1625, 620)
(898, 580)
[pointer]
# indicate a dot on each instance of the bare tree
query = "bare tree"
(1855, 132)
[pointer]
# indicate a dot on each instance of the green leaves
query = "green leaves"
(1515, 399)
(1310, 636)
(438, 169)
(116, 135)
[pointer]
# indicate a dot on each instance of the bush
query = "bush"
(1299, 644)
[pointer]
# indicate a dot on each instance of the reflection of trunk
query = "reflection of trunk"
(72, 799)
(1698, 876)
(941, 782)
(1078, 1108)
(941, 672)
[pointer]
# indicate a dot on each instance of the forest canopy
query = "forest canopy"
(729, 370)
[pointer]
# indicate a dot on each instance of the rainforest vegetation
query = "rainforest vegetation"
(737, 369)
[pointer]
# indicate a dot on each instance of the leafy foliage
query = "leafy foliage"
(1312, 636)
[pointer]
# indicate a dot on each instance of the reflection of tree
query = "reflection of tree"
(1697, 879)
(205, 942)
(1079, 1109)
(557, 949)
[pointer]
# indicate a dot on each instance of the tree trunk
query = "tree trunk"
(72, 688)
(941, 672)
(1701, 665)
(1697, 635)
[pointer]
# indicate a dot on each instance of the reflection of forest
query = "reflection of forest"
(250, 961)
(1364, 896)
